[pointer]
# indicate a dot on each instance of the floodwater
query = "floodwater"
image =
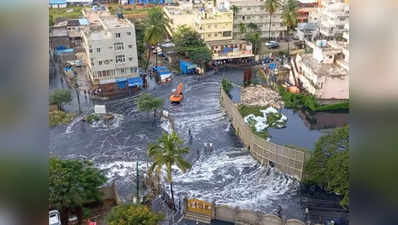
(227, 174)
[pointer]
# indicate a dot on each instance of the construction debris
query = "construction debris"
(261, 96)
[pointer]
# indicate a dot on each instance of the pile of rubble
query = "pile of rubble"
(261, 96)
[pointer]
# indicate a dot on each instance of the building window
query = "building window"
(98, 50)
(117, 35)
(120, 59)
(118, 46)
(106, 61)
(133, 69)
(100, 62)
(130, 58)
(130, 46)
(122, 71)
(129, 33)
(90, 50)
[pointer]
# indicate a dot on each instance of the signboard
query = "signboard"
(100, 109)
(199, 206)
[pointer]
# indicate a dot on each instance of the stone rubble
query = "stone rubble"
(261, 96)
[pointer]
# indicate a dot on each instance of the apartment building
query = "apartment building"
(214, 24)
(182, 15)
(253, 11)
(305, 8)
(111, 52)
(333, 17)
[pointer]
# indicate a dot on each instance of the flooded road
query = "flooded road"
(227, 174)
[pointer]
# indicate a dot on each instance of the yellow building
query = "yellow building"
(213, 24)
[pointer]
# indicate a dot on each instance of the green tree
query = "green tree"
(328, 167)
(73, 183)
(242, 28)
(254, 39)
(155, 30)
(235, 10)
(166, 153)
(146, 103)
(252, 26)
(133, 215)
(60, 97)
(271, 6)
(189, 43)
(289, 18)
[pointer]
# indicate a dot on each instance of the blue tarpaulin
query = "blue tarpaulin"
(63, 51)
(272, 66)
(121, 83)
(135, 81)
(160, 70)
(226, 50)
(187, 67)
(57, 2)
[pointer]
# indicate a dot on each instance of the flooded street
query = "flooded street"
(227, 174)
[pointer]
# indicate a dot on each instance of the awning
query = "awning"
(135, 81)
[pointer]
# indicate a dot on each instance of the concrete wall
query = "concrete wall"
(247, 217)
(288, 160)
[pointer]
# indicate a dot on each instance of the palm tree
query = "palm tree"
(155, 30)
(252, 26)
(289, 17)
(271, 6)
(235, 9)
(168, 152)
(242, 28)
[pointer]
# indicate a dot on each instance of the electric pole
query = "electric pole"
(138, 185)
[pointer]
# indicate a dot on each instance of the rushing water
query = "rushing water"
(227, 174)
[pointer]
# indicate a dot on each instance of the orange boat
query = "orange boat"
(176, 95)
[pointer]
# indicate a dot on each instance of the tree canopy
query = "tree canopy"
(146, 103)
(60, 97)
(133, 215)
(328, 167)
(166, 153)
(73, 183)
(189, 42)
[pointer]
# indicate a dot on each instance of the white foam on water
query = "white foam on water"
(122, 168)
(165, 125)
(70, 126)
(234, 181)
(113, 124)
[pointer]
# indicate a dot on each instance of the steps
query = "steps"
(197, 217)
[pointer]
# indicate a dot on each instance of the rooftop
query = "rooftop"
(246, 2)
(59, 33)
(228, 42)
(323, 69)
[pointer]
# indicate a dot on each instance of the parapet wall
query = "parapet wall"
(288, 160)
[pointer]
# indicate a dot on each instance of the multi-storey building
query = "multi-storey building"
(182, 15)
(305, 9)
(253, 11)
(333, 16)
(214, 24)
(111, 51)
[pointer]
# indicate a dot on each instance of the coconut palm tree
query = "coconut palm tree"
(289, 18)
(235, 9)
(252, 26)
(168, 152)
(271, 6)
(155, 30)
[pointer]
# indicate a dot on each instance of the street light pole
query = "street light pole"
(138, 184)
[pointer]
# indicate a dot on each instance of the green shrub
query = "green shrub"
(226, 85)
(303, 101)
(92, 117)
(57, 118)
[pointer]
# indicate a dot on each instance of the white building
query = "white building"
(324, 73)
(253, 11)
(111, 50)
(333, 17)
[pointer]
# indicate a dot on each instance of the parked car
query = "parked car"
(272, 44)
(54, 217)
